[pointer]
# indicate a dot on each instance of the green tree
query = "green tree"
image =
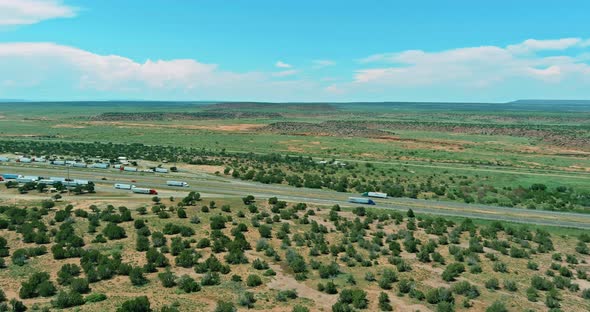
(139, 304)
(136, 276)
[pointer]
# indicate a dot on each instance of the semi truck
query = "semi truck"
(361, 200)
(161, 170)
(25, 180)
(122, 186)
(10, 176)
(177, 183)
(101, 166)
(24, 160)
(47, 181)
(130, 169)
(79, 165)
(141, 190)
(375, 194)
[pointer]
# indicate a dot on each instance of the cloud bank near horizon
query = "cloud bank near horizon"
(532, 68)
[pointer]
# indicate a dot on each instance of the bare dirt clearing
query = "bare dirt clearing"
(217, 127)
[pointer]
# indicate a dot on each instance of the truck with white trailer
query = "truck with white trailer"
(100, 165)
(142, 190)
(177, 183)
(161, 170)
(11, 176)
(25, 180)
(122, 186)
(361, 200)
(47, 181)
(375, 194)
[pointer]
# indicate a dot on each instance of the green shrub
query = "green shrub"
(95, 297)
(497, 306)
(139, 304)
(253, 280)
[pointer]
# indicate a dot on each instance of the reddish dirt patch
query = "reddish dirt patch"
(230, 127)
(450, 146)
(203, 168)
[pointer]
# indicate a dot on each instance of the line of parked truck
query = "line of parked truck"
(78, 164)
(47, 181)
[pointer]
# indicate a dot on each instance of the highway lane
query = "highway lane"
(211, 184)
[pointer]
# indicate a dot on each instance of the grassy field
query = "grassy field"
(310, 257)
(501, 146)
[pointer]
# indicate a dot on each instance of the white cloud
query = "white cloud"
(285, 73)
(334, 89)
(109, 71)
(281, 64)
(532, 45)
(25, 12)
(49, 70)
(476, 66)
(317, 64)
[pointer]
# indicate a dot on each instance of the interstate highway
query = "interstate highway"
(215, 185)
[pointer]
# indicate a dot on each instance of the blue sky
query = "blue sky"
(294, 50)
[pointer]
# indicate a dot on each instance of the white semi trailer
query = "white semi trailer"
(177, 183)
(142, 190)
(122, 186)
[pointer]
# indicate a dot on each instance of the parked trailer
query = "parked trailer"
(25, 160)
(375, 194)
(34, 178)
(47, 181)
(361, 200)
(4, 159)
(79, 165)
(177, 183)
(141, 190)
(25, 180)
(130, 169)
(161, 170)
(122, 186)
(59, 162)
(100, 166)
(81, 182)
(57, 179)
(10, 176)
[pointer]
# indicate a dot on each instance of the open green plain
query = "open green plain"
(488, 210)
